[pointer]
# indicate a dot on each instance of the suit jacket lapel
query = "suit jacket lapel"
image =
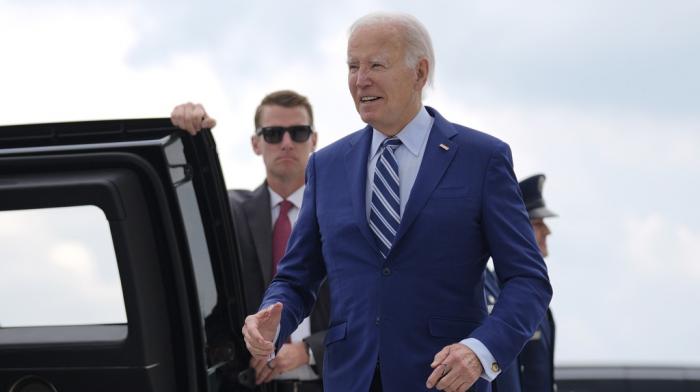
(436, 160)
(257, 210)
(356, 159)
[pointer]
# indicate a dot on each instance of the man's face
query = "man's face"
(541, 233)
(286, 160)
(386, 91)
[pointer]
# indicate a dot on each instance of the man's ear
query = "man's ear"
(314, 139)
(422, 73)
(255, 143)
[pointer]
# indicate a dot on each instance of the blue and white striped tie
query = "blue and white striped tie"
(385, 208)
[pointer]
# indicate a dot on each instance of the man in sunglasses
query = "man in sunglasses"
(401, 217)
(284, 137)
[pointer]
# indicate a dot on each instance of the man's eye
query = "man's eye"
(377, 66)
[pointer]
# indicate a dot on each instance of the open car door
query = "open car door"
(161, 195)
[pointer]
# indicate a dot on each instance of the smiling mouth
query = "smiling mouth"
(369, 98)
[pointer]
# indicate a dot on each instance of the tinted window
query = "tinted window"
(58, 267)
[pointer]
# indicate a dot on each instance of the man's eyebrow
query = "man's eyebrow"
(379, 59)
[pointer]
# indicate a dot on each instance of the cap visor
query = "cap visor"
(541, 212)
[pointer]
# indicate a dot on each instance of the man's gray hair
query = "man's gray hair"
(416, 36)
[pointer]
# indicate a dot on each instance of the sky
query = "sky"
(601, 96)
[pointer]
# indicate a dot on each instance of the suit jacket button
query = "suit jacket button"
(495, 368)
(386, 271)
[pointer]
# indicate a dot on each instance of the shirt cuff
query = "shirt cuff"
(312, 359)
(488, 362)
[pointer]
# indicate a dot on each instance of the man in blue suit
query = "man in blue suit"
(401, 217)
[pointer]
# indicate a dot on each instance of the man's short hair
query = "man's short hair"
(287, 99)
(416, 36)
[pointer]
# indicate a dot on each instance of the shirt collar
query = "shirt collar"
(295, 198)
(411, 136)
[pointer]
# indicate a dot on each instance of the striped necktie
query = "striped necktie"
(385, 207)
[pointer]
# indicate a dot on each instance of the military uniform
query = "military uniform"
(533, 370)
(509, 379)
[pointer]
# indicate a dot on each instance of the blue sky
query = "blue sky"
(600, 96)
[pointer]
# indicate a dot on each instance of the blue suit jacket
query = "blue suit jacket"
(465, 207)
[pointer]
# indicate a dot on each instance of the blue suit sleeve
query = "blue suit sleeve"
(525, 289)
(302, 269)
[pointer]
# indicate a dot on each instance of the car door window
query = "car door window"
(58, 267)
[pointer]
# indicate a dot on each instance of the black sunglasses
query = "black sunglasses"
(274, 135)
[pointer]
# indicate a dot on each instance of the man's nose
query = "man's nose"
(363, 78)
(287, 141)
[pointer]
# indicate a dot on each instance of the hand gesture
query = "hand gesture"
(260, 329)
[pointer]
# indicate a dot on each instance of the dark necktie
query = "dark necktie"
(385, 207)
(280, 234)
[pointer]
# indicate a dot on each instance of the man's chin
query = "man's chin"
(368, 117)
(286, 169)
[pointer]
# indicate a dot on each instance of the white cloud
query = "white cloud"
(612, 301)
(654, 246)
(73, 257)
(72, 63)
(57, 267)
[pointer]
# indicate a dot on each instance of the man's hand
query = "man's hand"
(290, 357)
(191, 117)
(260, 329)
(456, 369)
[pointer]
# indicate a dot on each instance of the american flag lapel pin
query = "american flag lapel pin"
(444, 147)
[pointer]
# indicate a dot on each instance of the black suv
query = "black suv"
(163, 196)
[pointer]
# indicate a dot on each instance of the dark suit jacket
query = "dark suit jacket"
(537, 359)
(252, 218)
(509, 379)
(465, 207)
